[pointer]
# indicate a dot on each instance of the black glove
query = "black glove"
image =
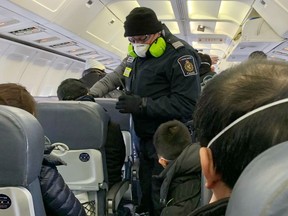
(130, 104)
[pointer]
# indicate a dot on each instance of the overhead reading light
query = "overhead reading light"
(201, 28)
(87, 53)
(64, 44)
(27, 31)
(46, 40)
(8, 22)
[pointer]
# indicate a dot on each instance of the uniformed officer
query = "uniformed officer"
(162, 83)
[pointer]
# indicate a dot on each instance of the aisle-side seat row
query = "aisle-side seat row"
(82, 127)
(21, 156)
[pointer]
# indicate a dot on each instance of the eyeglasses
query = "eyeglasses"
(139, 39)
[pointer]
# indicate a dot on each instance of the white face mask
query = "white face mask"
(141, 49)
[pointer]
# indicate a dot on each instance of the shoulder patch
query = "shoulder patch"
(177, 44)
(187, 65)
(130, 59)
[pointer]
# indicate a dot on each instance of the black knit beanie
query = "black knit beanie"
(141, 21)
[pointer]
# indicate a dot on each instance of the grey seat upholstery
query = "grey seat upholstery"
(125, 122)
(262, 188)
(81, 125)
(21, 155)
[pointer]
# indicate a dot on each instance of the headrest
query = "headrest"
(78, 124)
(262, 188)
(109, 104)
(21, 147)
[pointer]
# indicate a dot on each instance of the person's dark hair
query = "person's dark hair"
(233, 93)
(71, 89)
(256, 55)
(15, 95)
(171, 138)
(91, 76)
(206, 62)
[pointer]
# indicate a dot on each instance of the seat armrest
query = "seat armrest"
(115, 195)
(135, 170)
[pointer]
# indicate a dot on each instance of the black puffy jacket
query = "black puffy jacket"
(180, 190)
(58, 199)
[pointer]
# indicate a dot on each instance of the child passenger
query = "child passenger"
(58, 199)
(180, 190)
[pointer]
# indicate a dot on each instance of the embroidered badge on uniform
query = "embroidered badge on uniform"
(187, 63)
(130, 59)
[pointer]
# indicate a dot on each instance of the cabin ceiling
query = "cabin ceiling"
(94, 28)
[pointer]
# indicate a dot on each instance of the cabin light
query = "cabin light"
(45, 40)
(8, 22)
(89, 3)
(201, 28)
(27, 31)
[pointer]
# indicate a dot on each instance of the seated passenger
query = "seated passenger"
(257, 55)
(57, 197)
(180, 190)
(95, 71)
(74, 89)
(232, 130)
(205, 69)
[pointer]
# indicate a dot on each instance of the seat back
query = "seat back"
(21, 154)
(124, 120)
(262, 188)
(82, 126)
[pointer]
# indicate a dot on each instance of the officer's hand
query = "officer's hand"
(129, 104)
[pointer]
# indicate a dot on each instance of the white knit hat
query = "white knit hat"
(93, 63)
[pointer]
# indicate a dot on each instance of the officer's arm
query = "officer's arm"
(110, 82)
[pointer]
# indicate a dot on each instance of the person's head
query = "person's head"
(170, 139)
(15, 95)
(71, 89)
(92, 65)
(143, 28)
(232, 94)
(257, 55)
(206, 63)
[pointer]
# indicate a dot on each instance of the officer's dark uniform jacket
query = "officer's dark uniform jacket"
(181, 189)
(217, 208)
(169, 82)
(58, 199)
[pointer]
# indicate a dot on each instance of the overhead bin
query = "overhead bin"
(256, 35)
(275, 13)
